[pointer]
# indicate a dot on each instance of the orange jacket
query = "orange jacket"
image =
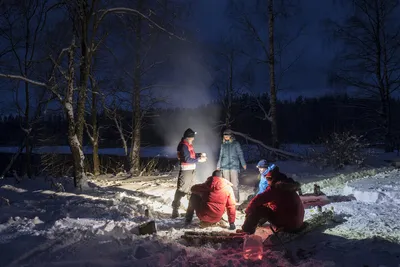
(217, 195)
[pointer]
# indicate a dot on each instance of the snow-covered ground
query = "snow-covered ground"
(99, 227)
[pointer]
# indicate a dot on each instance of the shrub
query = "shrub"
(340, 150)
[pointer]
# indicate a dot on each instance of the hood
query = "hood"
(217, 183)
(287, 184)
(230, 141)
(272, 168)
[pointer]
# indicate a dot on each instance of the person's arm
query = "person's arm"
(184, 150)
(231, 206)
(259, 200)
(239, 152)
(219, 159)
(262, 185)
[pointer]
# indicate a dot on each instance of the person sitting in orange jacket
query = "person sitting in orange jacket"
(210, 200)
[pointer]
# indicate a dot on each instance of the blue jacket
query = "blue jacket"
(263, 179)
(230, 156)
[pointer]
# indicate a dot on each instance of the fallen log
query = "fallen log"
(275, 150)
(201, 238)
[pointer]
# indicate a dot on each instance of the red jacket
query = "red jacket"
(217, 195)
(281, 197)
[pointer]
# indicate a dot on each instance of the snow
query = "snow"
(368, 216)
(377, 189)
(99, 227)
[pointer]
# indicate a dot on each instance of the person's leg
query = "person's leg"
(194, 204)
(246, 202)
(190, 181)
(184, 184)
(226, 174)
(252, 220)
(176, 203)
(234, 179)
(181, 189)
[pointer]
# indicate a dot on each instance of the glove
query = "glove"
(232, 226)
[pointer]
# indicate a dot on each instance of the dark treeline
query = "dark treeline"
(303, 120)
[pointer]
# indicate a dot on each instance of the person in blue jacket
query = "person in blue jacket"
(230, 160)
(265, 170)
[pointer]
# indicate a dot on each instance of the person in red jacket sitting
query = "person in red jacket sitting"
(279, 204)
(210, 200)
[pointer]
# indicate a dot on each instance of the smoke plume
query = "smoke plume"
(192, 82)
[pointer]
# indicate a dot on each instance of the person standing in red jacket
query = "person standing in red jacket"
(210, 200)
(279, 204)
(187, 168)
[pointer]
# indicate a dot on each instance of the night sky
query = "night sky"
(307, 77)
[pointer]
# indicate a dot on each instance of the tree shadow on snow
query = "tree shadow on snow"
(321, 245)
(316, 248)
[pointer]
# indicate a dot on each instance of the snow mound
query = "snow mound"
(339, 180)
(383, 187)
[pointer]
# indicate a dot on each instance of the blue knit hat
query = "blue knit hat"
(262, 164)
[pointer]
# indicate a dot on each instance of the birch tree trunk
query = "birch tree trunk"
(137, 118)
(76, 147)
(84, 70)
(95, 132)
(271, 64)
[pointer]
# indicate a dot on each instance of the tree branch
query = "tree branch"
(275, 150)
(22, 78)
(123, 10)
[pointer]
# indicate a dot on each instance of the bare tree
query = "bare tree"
(149, 47)
(370, 59)
(61, 81)
(266, 12)
(137, 110)
(271, 64)
(89, 13)
(22, 52)
(228, 70)
(93, 129)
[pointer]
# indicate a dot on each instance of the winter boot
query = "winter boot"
(189, 216)
(187, 222)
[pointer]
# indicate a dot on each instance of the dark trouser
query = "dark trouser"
(233, 177)
(194, 204)
(262, 214)
(185, 182)
(246, 202)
